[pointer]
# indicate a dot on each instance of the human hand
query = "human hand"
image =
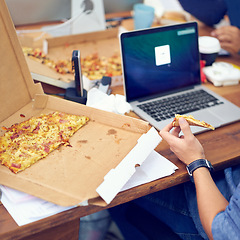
(186, 147)
(229, 38)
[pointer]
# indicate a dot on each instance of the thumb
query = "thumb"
(185, 127)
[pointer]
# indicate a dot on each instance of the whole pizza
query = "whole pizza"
(94, 67)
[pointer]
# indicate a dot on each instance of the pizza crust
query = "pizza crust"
(192, 121)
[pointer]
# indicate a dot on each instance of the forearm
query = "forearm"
(209, 198)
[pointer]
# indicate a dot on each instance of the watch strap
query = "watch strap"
(197, 164)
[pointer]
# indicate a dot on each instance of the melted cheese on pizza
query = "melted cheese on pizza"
(192, 121)
(25, 143)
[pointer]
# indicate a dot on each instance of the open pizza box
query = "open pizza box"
(107, 148)
(103, 43)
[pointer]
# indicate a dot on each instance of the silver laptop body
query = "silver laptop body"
(163, 62)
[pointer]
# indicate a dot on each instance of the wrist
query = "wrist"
(201, 172)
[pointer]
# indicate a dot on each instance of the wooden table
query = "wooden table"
(221, 148)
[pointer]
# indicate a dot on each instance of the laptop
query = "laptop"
(161, 73)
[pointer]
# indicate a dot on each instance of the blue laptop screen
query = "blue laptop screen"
(160, 60)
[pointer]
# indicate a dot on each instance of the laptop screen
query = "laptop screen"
(160, 60)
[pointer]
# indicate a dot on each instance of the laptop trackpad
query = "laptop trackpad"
(208, 117)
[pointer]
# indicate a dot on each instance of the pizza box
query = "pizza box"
(104, 43)
(69, 175)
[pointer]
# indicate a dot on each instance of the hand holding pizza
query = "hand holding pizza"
(186, 147)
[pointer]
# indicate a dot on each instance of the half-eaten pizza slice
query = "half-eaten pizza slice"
(192, 121)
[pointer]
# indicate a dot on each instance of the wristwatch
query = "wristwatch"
(197, 164)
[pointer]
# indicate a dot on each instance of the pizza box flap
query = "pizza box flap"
(16, 84)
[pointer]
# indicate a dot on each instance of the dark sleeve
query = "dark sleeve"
(233, 7)
(208, 11)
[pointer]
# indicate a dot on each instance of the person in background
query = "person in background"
(207, 208)
(211, 12)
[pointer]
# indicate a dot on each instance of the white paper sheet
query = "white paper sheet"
(25, 208)
(154, 167)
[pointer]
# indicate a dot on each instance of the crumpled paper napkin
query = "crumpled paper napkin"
(111, 103)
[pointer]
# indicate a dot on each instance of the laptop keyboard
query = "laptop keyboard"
(181, 104)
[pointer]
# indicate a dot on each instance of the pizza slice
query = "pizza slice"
(25, 143)
(192, 121)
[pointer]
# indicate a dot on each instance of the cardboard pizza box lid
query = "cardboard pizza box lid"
(68, 175)
(17, 86)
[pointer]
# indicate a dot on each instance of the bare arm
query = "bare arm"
(187, 148)
(210, 200)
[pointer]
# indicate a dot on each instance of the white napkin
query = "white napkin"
(111, 103)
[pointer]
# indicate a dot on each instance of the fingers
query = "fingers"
(165, 133)
(185, 127)
(229, 47)
(224, 38)
(176, 131)
(229, 37)
(167, 128)
(225, 30)
(172, 137)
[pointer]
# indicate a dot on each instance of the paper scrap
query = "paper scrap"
(154, 167)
